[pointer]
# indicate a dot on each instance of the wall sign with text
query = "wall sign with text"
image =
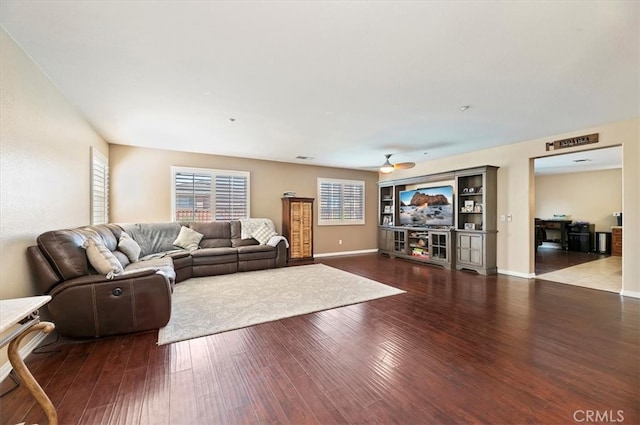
(573, 142)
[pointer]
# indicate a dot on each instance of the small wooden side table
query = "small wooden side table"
(24, 311)
(616, 240)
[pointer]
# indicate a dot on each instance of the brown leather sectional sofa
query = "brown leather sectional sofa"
(87, 304)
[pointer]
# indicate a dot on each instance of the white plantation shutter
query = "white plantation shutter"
(353, 202)
(231, 197)
(99, 188)
(330, 201)
(192, 196)
(207, 195)
(341, 202)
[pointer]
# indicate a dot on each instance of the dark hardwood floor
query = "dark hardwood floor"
(456, 348)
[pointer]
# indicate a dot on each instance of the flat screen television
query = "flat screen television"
(429, 206)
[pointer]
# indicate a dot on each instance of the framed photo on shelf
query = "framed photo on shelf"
(469, 226)
(387, 209)
(386, 220)
(467, 207)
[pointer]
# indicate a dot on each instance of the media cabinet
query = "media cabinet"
(467, 242)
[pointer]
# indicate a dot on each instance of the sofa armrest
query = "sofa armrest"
(46, 277)
(281, 254)
(92, 279)
(91, 306)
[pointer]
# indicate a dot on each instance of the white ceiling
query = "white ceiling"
(342, 82)
(591, 160)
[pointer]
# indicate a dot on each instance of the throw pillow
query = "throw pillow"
(188, 239)
(262, 234)
(122, 258)
(102, 259)
(130, 247)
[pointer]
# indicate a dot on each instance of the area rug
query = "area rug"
(209, 305)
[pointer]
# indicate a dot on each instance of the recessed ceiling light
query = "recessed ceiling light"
(465, 107)
(582, 160)
(232, 119)
(304, 157)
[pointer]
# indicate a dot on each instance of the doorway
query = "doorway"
(576, 197)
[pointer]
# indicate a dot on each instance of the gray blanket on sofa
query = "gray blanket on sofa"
(153, 237)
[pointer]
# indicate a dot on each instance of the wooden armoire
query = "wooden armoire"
(297, 227)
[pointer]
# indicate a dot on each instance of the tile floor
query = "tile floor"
(604, 274)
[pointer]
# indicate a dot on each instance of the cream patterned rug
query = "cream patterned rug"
(207, 305)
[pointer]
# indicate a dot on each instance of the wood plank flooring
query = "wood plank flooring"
(456, 348)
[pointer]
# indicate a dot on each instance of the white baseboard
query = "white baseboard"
(632, 294)
(24, 351)
(334, 254)
(517, 274)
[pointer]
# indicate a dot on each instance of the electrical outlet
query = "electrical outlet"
(509, 217)
(503, 217)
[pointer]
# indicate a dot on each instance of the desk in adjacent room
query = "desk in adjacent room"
(555, 225)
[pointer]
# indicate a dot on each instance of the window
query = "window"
(209, 195)
(99, 188)
(341, 202)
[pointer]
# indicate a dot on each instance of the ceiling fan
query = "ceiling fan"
(388, 167)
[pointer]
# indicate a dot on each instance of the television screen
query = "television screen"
(429, 206)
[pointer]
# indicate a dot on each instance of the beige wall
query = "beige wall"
(141, 191)
(589, 196)
(515, 187)
(44, 165)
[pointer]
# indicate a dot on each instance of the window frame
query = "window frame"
(342, 221)
(99, 187)
(212, 173)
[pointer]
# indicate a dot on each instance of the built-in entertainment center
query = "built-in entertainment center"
(446, 219)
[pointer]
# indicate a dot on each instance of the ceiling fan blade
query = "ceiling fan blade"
(404, 165)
